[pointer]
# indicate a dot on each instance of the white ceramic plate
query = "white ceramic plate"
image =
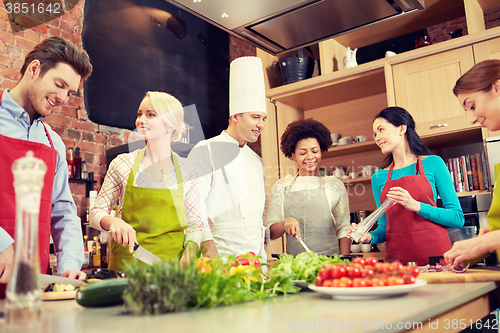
(368, 292)
(300, 283)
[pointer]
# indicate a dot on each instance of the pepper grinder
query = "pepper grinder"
(23, 294)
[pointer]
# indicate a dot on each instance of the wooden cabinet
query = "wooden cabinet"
(424, 86)
(346, 100)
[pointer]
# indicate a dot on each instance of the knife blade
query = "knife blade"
(144, 255)
(46, 279)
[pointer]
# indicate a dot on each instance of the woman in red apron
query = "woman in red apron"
(156, 189)
(478, 91)
(415, 229)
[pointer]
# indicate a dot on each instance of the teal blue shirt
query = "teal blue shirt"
(440, 179)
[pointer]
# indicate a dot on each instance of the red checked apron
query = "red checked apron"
(411, 237)
(10, 150)
(157, 215)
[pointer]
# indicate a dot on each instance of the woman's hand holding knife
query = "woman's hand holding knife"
(120, 230)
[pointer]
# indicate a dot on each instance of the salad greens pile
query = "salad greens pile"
(304, 266)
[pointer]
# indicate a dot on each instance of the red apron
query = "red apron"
(10, 150)
(411, 237)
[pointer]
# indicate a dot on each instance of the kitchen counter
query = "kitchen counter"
(436, 305)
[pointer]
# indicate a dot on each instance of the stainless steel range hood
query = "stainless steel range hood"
(282, 25)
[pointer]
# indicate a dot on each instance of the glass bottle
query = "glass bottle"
(24, 295)
(85, 174)
(78, 164)
(96, 250)
(71, 163)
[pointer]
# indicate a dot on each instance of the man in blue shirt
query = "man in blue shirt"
(51, 73)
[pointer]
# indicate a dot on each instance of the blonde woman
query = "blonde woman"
(156, 189)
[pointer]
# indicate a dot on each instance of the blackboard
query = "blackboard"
(141, 45)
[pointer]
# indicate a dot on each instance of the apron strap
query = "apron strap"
(137, 162)
(419, 168)
(178, 173)
(135, 167)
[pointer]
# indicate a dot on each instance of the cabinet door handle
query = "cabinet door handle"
(437, 126)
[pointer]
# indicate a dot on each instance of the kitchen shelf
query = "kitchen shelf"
(354, 148)
(333, 88)
(357, 180)
(89, 183)
(465, 194)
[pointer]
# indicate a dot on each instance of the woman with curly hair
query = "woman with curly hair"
(309, 206)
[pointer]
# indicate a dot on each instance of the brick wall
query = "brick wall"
(440, 32)
(70, 121)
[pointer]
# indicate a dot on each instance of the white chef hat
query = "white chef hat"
(247, 91)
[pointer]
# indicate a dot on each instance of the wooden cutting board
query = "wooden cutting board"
(58, 295)
(472, 275)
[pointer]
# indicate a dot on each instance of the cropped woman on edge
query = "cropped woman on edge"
(478, 91)
(310, 206)
(156, 189)
(415, 228)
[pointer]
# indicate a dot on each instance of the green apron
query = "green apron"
(494, 212)
(157, 216)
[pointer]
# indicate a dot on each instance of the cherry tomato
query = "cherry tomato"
(367, 272)
(395, 281)
(335, 283)
(371, 261)
(379, 267)
(396, 265)
(414, 271)
(387, 267)
(336, 272)
(323, 274)
(243, 261)
(328, 283)
(345, 282)
(359, 260)
(329, 265)
(358, 282)
(317, 281)
(409, 279)
(377, 282)
(353, 272)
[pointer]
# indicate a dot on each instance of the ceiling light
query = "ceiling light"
(225, 15)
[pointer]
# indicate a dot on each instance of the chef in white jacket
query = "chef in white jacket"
(231, 182)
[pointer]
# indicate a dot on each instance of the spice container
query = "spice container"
(365, 225)
(24, 295)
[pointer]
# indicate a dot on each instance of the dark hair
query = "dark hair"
(479, 78)
(398, 116)
(304, 129)
(54, 50)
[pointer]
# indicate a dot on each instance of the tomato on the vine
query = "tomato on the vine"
(353, 272)
(371, 261)
(328, 283)
(317, 281)
(323, 274)
(345, 282)
(359, 282)
(367, 272)
(359, 260)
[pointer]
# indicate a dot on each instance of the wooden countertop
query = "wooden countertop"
(445, 302)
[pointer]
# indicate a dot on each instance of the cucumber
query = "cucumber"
(102, 293)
